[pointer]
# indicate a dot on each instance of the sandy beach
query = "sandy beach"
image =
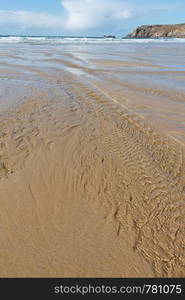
(92, 160)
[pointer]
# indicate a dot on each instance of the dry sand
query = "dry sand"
(92, 164)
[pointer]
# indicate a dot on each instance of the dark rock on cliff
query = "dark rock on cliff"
(158, 31)
(110, 36)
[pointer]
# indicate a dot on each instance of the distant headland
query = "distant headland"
(158, 31)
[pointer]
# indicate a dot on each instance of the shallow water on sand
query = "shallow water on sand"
(92, 160)
(148, 78)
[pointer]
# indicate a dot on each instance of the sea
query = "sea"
(56, 40)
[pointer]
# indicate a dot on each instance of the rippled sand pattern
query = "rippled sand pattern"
(92, 162)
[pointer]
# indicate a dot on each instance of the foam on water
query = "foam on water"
(81, 40)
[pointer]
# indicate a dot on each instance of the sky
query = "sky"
(86, 17)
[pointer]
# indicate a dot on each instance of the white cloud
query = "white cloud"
(87, 14)
(26, 19)
(77, 15)
(120, 15)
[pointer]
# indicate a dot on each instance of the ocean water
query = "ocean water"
(79, 40)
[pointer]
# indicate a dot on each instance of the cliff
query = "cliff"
(158, 31)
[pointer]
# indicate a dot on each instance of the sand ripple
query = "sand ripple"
(92, 161)
(79, 171)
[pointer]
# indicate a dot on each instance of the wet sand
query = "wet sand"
(92, 161)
